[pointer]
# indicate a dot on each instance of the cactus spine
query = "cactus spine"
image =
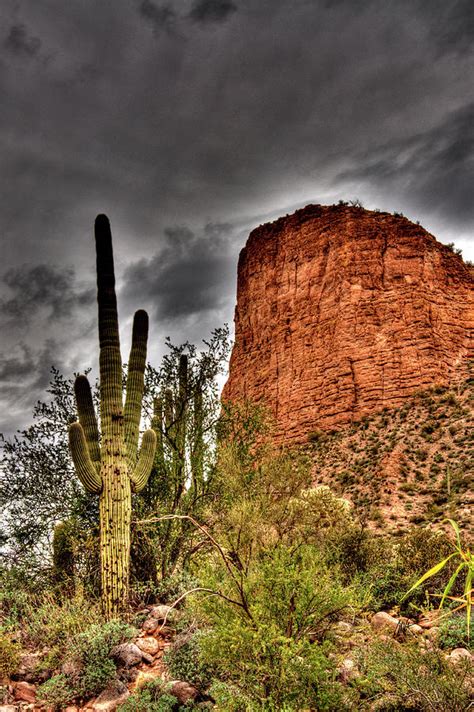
(110, 466)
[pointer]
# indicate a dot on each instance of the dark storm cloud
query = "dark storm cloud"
(17, 367)
(192, 273)
(432, 171)
(452, 24)
(20, 42)
(161, 16)
(208, 11)
(42, 287)
(205, 112)
(24, 377)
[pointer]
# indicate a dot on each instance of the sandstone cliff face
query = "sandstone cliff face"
(343, 311)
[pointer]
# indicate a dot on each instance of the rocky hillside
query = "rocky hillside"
(342, 312)
(406, 466)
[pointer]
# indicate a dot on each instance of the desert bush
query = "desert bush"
(9, 655)
(271, 641)
(53, 624)
(14, 599)
(453, 632)
(92, 667)
(152, 697)
(416, 551)
(56, 692)
(92, 650)
(184, 661)
(401, 677)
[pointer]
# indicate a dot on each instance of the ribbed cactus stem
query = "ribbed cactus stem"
(157, 426)
(110, 466)
(181, 408)
(198, 444)
(135, 384)
(81, 458)
(87, 418)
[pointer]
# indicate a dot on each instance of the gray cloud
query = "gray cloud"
(20, 42)
(160, 16)
(24, 377)
(192, 273)
(209, 11)
(42, 287)
(164, 113)
(431, 171)
(452, 24)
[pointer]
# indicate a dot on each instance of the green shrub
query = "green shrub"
(172, 587)
(152, 697)
(49, 623)
(453, 632)
(271, 644)
(92, 650)
(9, 655)
(14, 600)
(416, 551)
(403, 677)
(56, 692)
(184, 661)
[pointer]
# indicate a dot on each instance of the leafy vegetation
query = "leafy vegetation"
(276, 580)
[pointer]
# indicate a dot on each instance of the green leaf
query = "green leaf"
(468, 594)
(451, 582)
(456, 531)
(434, 570)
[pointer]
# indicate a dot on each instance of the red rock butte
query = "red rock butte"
(343, 311)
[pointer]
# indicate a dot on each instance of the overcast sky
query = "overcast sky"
(191, 121)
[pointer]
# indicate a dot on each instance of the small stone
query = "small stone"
(460, 654)
(383, 621)
(415, 629)
(8, 708)
(128, 654)
(148, 645)
(144, 677)
(431, 634)
(343, 627)
(150, 625)
(348, 670)
(183, 691)
(72, 708)
(24, 692)
(28, 667)
(162, 613)
(114, 695)
(70, 668)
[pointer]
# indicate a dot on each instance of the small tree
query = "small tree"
(182, 397)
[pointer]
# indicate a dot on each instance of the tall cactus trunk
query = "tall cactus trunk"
(109, 465)
(115, 507)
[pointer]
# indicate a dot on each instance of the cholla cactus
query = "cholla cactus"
(110, 465)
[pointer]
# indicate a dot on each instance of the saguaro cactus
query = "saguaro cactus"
(109, 464)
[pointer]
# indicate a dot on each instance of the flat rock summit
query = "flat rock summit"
(342, 312)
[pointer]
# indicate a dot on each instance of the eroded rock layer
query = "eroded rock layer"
(343, 311)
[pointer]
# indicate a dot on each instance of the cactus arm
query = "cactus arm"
(198, 445)
(87, 418)
(139, 476)
(85, 468)
(135, 384)
(110, 361)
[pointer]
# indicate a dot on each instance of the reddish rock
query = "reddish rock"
(343, 311)
(183, 691)
(148, 645)
(24, 692)
(384, 621)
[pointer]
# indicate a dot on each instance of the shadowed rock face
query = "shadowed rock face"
(341, 312)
